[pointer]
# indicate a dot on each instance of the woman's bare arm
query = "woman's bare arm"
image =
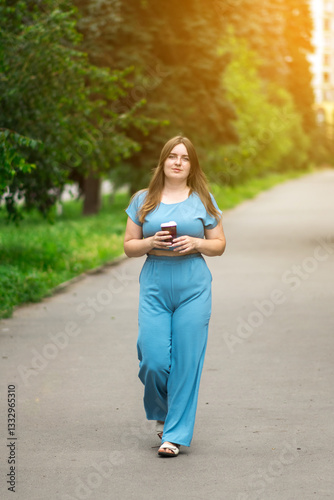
(136, 246)
(213, 244)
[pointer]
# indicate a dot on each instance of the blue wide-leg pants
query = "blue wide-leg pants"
(174, 314)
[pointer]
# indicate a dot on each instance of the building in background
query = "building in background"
(322, 62)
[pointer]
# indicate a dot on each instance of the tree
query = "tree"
(269, 125)
(173, 48)
(11, 160)
(298, 33)
(51, 96)
(279, 32)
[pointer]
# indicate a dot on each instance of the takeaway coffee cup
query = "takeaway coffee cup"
(169, 226)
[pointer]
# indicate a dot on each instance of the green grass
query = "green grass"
(228, 197)
(37, 256)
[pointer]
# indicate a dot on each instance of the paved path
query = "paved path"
(264, 427)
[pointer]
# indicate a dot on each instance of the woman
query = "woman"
(175, 288)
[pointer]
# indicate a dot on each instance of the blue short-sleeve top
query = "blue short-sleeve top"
(190, 215)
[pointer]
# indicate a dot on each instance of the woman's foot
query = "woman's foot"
(168, 449)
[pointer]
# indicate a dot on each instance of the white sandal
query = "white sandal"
(174, 448)
(159, 427)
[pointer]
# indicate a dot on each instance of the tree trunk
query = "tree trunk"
(92, 195)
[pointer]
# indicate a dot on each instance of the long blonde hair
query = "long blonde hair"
(196, 181)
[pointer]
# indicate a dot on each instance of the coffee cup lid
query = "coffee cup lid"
(168, 224)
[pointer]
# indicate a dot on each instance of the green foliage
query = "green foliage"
(51, 94)
(279, 32)
(10, 158)
(73, 84)
(269, 126)
(177, 70)
(297, 33)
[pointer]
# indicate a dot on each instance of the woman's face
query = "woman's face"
(177, 165)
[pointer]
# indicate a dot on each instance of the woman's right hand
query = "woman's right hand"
(161, 239)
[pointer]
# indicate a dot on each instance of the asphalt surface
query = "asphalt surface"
(265, 417)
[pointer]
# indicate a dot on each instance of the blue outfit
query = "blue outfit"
(173, 317)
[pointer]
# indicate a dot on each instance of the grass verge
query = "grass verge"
(228, 197)
(37, 256)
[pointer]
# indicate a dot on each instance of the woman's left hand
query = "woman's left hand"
(184, 244)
